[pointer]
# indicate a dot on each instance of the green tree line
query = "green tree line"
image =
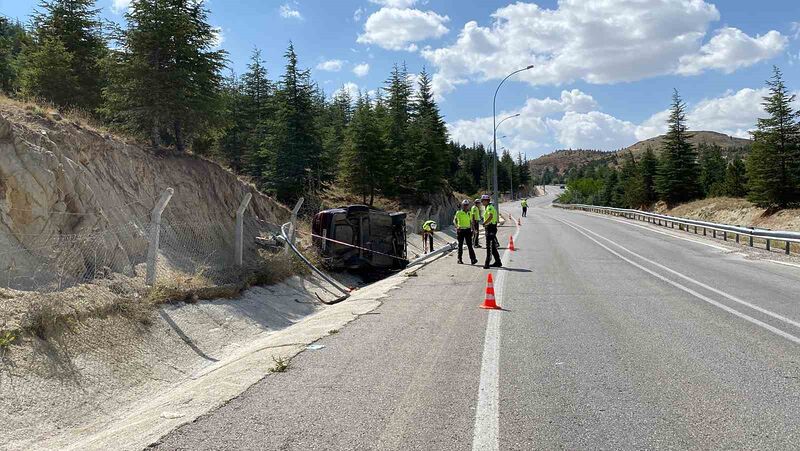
(769, 176)
(161, 78)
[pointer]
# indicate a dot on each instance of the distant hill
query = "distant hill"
(701, 137)
(562, 160)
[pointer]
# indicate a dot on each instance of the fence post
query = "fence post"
(155, 235)
(239, 256)
(293, 225)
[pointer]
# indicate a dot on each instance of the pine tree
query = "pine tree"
(632, 184)
(712, 170)
(363, 165)
(736, 179)
(773, 167)
(13, 38)
(676, 180)
(427, 149)
(649, 168)
(258, 108)
(233, 141)
(167, 78)
(399, 93)
(337, 116)
(293, 146)
(70, 32)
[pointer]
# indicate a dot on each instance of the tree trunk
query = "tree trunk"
(179, 144)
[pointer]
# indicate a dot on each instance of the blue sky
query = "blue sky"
(604, 71)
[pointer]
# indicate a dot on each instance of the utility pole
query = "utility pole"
(496, 199)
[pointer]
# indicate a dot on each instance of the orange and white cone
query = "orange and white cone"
(511, 243)
(489, 302)
(519, 222)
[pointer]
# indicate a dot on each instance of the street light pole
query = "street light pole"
(496, 199)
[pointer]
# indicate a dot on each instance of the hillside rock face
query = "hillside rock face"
(75, 202)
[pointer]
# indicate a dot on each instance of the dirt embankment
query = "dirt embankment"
(726, 210)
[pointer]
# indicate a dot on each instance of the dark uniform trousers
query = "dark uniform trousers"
(465, 235)
(491, 244)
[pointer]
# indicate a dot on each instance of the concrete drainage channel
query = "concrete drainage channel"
(152, 410)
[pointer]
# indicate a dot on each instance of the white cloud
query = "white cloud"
(731, 49)
(358, 14)
(574, 121)
(120, 6)
(395, 3)
(599, 42)
(331, 65)
(795, 30)
(398, 29)
(290, 12)
(350, 88)
(361, 70)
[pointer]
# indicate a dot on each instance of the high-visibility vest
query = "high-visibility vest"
(475, 212)
(490, 210)
(428, 225)
(525, 203)
(463, 219)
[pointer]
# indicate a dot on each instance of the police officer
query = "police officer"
(490, 225)
(475, 213)
(463, 223)
(428, 227)
(524, 208)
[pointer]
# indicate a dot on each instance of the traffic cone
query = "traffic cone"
(511, 243)
(489, 302)
(519, 222)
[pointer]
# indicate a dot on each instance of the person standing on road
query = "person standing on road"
(428, 227)
(463, 222)
(490, 225)
(524, 208)
(475, 213)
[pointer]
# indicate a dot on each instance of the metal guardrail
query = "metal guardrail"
(767, 235)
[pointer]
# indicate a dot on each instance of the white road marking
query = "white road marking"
(794, 265)
(486, 433)
(696, 282)
(694, 293)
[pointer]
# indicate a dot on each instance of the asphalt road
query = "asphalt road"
(613, 336)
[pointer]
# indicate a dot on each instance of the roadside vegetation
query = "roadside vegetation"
(768, 176)
(286, 134)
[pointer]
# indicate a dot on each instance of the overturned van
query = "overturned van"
(360, 237)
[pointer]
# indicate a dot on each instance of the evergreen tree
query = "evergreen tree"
(13, 38)
(427, 141)
(612, 192)
(399, 91)
(167, 80)
(293, 146)
(712, 170)
(258, 109)
(773, 167)
(70, 32)
(676, 180)
(363, 165)
(649, 168)
(736, 179)
(632, 183)
(337, 116)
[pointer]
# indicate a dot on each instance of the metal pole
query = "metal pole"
(239, 256)
(155, 235)
(293, 224)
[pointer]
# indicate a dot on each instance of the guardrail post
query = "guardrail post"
(155, 235)
(788, 247)
(714, 233)
(725, 235)
(769, 245)
(751, 240)
(293, 224)
(695, 230)
(737, 238)
(239, 253)
(704, 231)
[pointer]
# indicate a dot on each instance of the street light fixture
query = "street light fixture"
(496, 199)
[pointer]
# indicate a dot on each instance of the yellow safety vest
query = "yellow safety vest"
(525, 203)
(426, 226)
(490, 210)
(463, 219)
(475, 212)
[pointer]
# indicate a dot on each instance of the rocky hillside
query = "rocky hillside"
(75, 201)
(561, 160)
